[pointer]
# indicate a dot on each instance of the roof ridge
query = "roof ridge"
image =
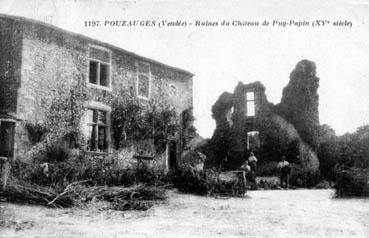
(109, 45)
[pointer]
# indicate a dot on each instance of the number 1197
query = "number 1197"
(91, 23)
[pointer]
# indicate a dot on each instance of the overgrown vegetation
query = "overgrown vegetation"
(57, 159)
(131, 120)
(61, 119)
(79, 179)
(187, 129)
(352, 182)
(303, 177)
(328, 152)
(300, 100)
(206, 182)
(345, 159)
(288, 128)
(35, 131)
(98, 170)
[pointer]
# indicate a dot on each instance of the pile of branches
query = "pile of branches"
(352, 182)
(137, 197)
(21, 191)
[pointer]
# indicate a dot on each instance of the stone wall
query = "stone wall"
(288, 128)
(300, 101)
(10, 61)
(242, 123)
(52, 58)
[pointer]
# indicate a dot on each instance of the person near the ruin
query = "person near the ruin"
(252, 160)
(284, 171)
(245, 167)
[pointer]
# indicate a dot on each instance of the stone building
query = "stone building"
(246, 121)
(36, 57)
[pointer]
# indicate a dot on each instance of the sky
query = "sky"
(223, 55)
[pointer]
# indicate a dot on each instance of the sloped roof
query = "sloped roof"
(27, 20)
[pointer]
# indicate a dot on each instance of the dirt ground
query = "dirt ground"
(292, 213)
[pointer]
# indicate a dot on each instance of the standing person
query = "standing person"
(252, 162)
(284, 171)
(245, 172)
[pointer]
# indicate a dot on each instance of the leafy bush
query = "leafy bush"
(328, 151)
(188, 129)
(267, 169)
(60, 107)
(354, 149)
(96, 169)
(268, 183)
(328, 157)
(189, 181)
(57, 153)
(349, 150)
(35, 131)
(304, 177)
(126, 118)
(205, 182)
(352, 182)
(133, 121)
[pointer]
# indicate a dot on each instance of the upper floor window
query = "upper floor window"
(250, 104)
(143, 80)
(99, 66)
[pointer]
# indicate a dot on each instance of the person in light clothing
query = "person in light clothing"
(245, 167)
(284, 171)
(252, 162)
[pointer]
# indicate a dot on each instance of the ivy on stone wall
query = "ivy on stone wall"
(187, 127)
(133, 120)
(62, 112)
(36, 131)
(161, 124)
(126, 118)
(294, 133)
(300, 101)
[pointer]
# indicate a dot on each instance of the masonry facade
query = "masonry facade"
(36, 59)
(246, 122)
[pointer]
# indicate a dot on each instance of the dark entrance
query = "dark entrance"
(172, 155)
(6, 138)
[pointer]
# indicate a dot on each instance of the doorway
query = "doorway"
(7, 138)
(253, 140)
(172, 155)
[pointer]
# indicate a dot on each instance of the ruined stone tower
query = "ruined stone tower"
(246, 121)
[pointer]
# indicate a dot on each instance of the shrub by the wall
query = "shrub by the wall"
(267, 169)
(205, 182)
(57, 153)
(304, 177)
(98, 170)
(352, 182)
